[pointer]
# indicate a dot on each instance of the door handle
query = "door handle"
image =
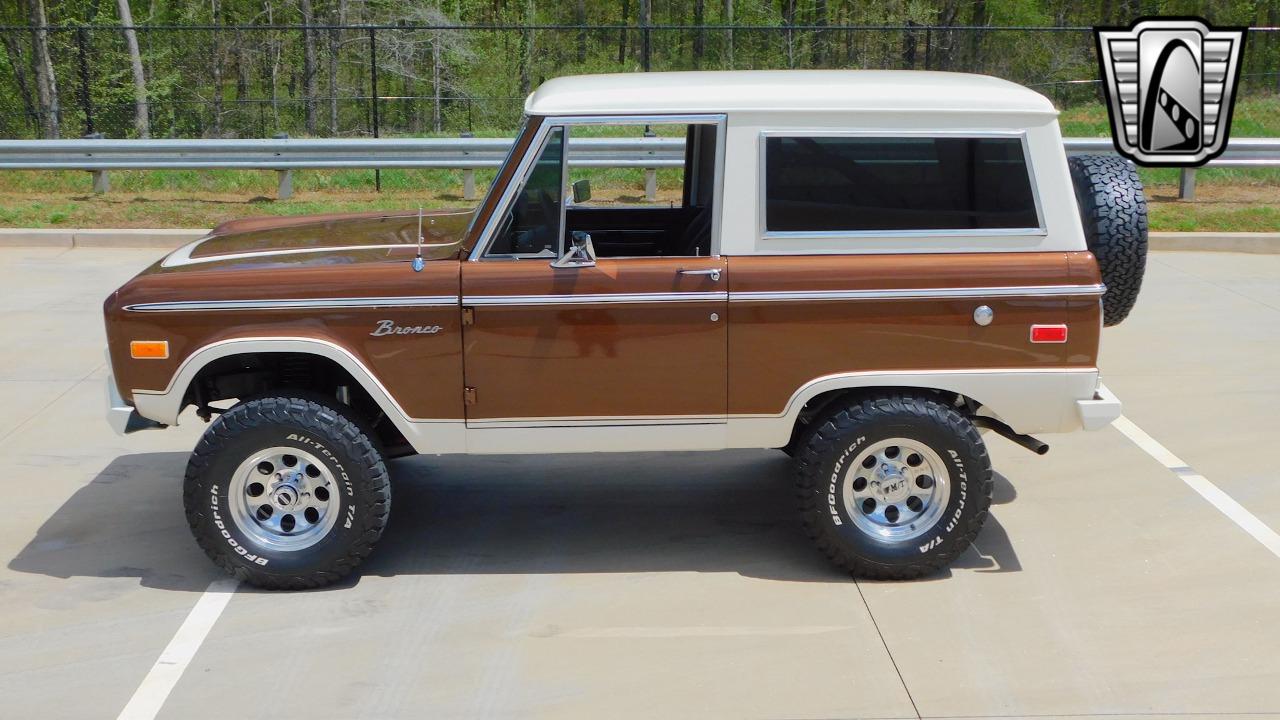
(714, 273)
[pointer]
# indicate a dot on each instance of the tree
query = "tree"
(728, 34)
(700, 35)
(141, 121)
(308, 65)
(46, 83)
(14, 53)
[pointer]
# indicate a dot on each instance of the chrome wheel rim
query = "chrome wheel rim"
(284, 499)
(896, 489)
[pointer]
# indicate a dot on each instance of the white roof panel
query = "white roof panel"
(783, 91)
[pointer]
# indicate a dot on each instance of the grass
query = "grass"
(1228, 199)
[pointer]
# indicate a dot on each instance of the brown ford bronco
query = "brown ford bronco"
(861, 268)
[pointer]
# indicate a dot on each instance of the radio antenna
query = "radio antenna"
(418, 263)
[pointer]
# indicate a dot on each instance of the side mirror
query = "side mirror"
(581, 253)
(581, 191)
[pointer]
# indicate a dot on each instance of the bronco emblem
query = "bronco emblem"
(389, 327)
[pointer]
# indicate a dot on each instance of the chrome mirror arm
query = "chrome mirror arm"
(581, 254)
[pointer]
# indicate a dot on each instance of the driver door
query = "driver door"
(610, 342)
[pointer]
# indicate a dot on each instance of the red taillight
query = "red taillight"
(1048, 333)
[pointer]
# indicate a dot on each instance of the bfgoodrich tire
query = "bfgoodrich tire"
(1113, 213)
(286, 493)
(893, 487)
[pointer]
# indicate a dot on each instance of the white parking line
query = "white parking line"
(1219, 499)
(164, 675)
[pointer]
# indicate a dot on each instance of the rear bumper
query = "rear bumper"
(1101, 410)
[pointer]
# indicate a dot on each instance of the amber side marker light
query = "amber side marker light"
(149, 349)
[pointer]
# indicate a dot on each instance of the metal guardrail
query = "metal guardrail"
(286, 155)
(1240, 153)
(466, 154)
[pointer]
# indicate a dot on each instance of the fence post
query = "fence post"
(646, 19)
(650, 174)
(373, 97)
(86, 99)
(1187, 184)
(101, 181)
(284, 187)
(284, 178)
(468, 176)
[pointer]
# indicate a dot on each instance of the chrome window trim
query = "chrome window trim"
(920, 293)
(518, 179)
(762, 227)
(562, 234)
(299, 304)
(527, 166)
(524, 126)
(595, 298)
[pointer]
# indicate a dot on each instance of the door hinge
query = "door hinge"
(468, 316)
(468, 396)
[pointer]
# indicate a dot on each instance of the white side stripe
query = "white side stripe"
(1216, 497)
(164, 675)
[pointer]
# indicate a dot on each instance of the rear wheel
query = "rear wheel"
(286, 492)
(894, 486)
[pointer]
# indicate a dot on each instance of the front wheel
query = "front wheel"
(894, 486)
(286, 493)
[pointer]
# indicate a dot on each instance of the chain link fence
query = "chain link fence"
(361, 81)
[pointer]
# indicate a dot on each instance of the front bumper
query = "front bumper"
(1099, 412)
(123, 418)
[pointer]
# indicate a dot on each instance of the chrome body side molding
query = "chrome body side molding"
(794, 295)
(593, 299)
(922, 293)
(299, 304)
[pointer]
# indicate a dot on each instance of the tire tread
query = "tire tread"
(310, 415)
(825, 439)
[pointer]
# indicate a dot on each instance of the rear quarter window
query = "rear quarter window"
(838, 184)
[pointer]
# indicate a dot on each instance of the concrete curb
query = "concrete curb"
(80, 238)
(1238, 242)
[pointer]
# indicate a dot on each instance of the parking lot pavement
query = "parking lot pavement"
(674, 585)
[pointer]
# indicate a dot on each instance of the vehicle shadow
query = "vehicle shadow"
(593, 513)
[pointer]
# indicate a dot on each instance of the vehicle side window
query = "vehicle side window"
(849, 184)
(532, 228)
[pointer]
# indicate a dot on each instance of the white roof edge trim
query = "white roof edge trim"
(786, 91)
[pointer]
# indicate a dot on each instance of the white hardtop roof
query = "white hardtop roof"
(783, 91)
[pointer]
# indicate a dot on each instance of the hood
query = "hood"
(333, 239)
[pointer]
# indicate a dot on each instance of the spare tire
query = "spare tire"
(1113, 212)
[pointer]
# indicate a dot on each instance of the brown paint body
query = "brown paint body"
(775, 347)
(601, 360)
